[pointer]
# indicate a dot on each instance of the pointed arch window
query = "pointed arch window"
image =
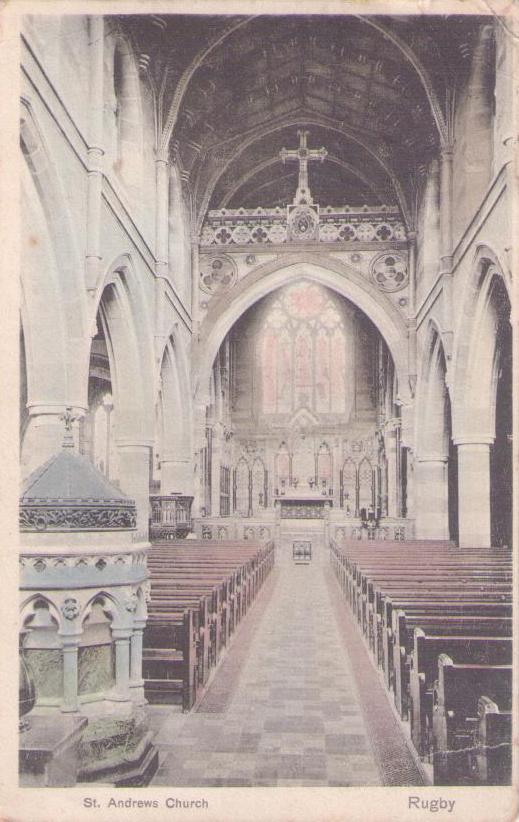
(302, 352)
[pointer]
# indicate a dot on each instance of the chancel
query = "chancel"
(266, 400)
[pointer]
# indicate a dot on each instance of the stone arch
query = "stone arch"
(436, 467)
(110, 605)
(431, 396)
(482, 356)
(122, 308)
(53, 307)
(123, 314)
(175, 419)
(476, 352)
(27, 608)
(225, 310)
(124, 98)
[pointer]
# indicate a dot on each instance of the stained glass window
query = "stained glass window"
(303, 352)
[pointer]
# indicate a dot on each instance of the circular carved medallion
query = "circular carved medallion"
(389, 271)
(217, 272)
(303, 223)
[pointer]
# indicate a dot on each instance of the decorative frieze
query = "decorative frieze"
(278, 226)
(60, 516)
(42, 563)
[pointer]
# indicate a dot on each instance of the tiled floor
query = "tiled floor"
(292, 715)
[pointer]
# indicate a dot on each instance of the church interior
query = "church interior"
(266, 400)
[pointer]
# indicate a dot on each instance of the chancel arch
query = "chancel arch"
(345, 281)
(311, 379)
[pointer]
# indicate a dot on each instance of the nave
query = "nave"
(295, 702)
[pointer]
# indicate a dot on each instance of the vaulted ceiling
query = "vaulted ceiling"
(232, 91)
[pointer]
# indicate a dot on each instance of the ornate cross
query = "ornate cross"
(303, 155)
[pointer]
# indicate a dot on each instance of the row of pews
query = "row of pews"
(199, 593)
(438, 623)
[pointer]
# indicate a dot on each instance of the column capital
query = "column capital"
(162, 155)
(121, 634)
(476, 441)
(37, 409)
(139, 625)
(70, 642)
(130, 443)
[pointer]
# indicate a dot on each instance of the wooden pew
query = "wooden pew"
(452, 604)
(456, 695)
(462, 648)
(491, 762)
(199, 593)
(454, 620)
(460, 602)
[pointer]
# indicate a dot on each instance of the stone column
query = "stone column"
(70, 646)
(161, 243)
(195, 279)
(176, 475)
(431, 498)
(134, 473)
(474, 493)
(95, 152)
(121, 637)
(162, 212)
(136, 680)
(446, 243)
(411, 322)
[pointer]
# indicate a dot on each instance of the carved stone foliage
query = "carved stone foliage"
(62, 517)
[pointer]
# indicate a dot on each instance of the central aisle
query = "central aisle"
(291, 715)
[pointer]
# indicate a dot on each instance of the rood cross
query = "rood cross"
(303, 155)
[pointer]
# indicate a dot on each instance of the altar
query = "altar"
(303, 504)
